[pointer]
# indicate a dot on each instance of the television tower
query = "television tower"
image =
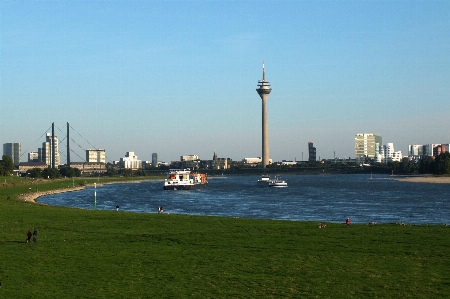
(264, 90)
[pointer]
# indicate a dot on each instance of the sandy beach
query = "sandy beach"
(425, 179)
(33, 196)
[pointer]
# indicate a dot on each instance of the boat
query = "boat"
(264, 181)
(277, 183)
(184, 179)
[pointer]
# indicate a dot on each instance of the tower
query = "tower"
(264, 90)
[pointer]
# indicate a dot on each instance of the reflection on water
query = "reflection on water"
(328, 198)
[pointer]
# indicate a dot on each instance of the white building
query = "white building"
(387, 154)
(130, 161)
(189, 158)
(47, 152)
(366, 144)
(96, 155)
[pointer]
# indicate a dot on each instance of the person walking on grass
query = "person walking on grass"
(347, 222)
(29, 237)
(35, 235)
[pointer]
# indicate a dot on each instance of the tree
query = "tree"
(51, 173)
(35, 173)
(6, 165)
(442, 164)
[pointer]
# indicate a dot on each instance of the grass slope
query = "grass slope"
(109, 254)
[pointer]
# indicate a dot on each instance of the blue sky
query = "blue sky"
(179, 77)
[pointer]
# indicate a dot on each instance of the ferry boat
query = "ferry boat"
(277, 183)
(184, 179)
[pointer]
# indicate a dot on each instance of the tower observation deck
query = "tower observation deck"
(264, 90)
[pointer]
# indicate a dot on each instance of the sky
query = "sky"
(180, 77)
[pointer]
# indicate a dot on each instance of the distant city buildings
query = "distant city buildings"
(416, 151)
(13, 151)
(366, 145)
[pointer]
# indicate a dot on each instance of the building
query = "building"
(366, 145)
(155, 160)
(189, 158)
(96, 155)
(312, 153)
(33, 157)
(130, 161)
(386, 153)
(47, 152)
(13, 151)
(89, 167)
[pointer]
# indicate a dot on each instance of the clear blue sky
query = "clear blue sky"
(179, 77)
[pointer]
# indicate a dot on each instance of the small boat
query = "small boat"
(183, 179)
(277, 183)
(264, 181)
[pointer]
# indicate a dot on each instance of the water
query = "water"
(327, 198)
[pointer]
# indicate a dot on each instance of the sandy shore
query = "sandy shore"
(33, 196)
(425, 179)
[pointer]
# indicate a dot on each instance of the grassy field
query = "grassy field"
(109, 254)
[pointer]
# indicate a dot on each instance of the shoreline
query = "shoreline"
(425, 179)
(33, 196)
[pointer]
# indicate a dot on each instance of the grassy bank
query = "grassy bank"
(101, 254)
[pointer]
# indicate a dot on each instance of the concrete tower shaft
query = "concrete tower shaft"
(264, 90)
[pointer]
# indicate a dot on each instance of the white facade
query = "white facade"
(33, 157)
(130, 161)
(387, 154)
(189, 158)
(366, 145)
(96, 155)
(46, 153)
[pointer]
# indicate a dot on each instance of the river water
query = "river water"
(327, 198)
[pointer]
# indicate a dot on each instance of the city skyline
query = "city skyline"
(150, 77)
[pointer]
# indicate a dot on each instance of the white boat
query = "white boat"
(277, 183)
(264, 181)
(183, 179)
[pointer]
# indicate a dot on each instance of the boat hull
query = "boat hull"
(186, 187)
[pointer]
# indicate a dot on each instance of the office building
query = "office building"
(96, 155)
(366, 145)
(312, 153)
(13, 151)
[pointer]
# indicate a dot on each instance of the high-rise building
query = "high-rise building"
(312, 153)
(155, 160)
(96, 155)
(366, 145)
(46, 155)
(264, 90)
(13, 151)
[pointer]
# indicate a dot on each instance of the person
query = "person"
(117, 207)
(347, 222)
(35, 235)
(160, 209)
(28, 237)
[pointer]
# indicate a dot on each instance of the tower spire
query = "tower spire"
(264, 72)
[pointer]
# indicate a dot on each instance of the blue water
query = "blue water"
(327, 198)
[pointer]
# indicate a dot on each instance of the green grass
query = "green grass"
(109, 254)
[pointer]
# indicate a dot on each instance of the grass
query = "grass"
(109, 254)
